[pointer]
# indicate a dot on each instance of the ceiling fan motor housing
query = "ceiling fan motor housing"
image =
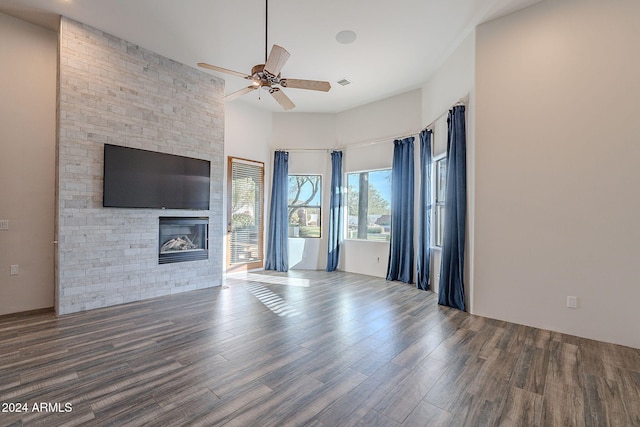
(262, 77)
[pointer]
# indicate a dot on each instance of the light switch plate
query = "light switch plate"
(4, 224)
(15, 270)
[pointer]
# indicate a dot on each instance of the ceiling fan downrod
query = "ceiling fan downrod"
(266, 28)
(267, 75)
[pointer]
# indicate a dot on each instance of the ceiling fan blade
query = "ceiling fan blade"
(276, 60)
(239, 93)
(306, 84)
(223, 70)
(282, 99)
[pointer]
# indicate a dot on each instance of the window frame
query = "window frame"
(232, 263)
(306, 206)
(438, 203)
(346, 228)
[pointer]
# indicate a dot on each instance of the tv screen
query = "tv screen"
(135, 178)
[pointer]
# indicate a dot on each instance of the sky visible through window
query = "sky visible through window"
(381, 182)
(308, 190)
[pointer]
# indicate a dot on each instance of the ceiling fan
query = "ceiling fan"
(268, 76)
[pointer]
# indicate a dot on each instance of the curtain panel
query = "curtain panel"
(424, 212)
(451, 286)
(336, 215)
(400, 266)
(278, 233)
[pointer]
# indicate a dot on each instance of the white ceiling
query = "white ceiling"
(399, 43)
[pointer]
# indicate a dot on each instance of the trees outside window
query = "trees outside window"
(305, 210)
(369, 205)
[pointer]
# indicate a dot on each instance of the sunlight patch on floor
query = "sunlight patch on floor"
(274, 280)
(272, 300)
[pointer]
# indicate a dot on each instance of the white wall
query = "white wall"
(361, 256)
(454, 81)
(311, 253)
(28, 55)
(304, 130)
(556, 192)
(312, 135)
(247, 132)
(247, 135)
(379, 122)
(389, 118)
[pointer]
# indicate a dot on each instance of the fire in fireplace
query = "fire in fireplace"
(183, 239)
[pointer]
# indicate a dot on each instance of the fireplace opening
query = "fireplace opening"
(183, 239)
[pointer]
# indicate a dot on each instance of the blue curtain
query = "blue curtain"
(335, 212)
(451, 287)
(424, 213)
(400, 265)
(278, 244)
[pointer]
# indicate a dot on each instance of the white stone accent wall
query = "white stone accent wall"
(112, 91)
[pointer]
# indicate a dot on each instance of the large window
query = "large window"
(441, 183)
(305, 196)
(369, 205)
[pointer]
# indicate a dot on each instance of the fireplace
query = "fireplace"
(183, 239)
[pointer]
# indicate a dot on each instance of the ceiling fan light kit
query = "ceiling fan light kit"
(267, 75)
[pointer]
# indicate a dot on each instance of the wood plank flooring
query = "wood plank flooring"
(306, 349)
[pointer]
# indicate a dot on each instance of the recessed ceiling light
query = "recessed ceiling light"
(346, 37)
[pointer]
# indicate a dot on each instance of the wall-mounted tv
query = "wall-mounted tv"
(135, 178)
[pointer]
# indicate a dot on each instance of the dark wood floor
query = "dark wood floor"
(310, 348)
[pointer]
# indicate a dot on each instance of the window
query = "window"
(440, 184)
(245, 213)
(305, 195)
(369, 205)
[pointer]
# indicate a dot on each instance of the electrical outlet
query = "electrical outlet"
(4, 224)
(15, 270)
(572, 302)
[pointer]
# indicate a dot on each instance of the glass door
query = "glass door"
(245, 214)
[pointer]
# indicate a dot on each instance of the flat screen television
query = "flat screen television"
(135, 178)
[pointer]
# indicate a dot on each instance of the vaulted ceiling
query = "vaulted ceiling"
(398, 44)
